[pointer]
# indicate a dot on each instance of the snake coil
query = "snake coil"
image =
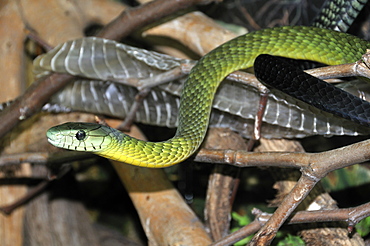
(309, 43)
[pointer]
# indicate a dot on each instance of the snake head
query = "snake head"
(81, 136)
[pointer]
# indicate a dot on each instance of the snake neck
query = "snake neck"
(307, 43)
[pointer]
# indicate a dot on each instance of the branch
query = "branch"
(322, 163)
(135, 18)
(268, 232)
(352, 216)
(41, 90)
(43, 158)
(313, 167)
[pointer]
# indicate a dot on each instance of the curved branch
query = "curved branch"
(40, 91)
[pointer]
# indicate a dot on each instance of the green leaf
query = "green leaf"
(363, 227)
(291, 240)
(241, 219)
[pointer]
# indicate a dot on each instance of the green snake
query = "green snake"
(309, 43)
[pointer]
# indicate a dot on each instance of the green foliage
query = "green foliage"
(346, 177)
(241, 221)
(291, 240)
(283, 239)
(363, 228)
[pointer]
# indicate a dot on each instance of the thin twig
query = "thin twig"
(32, 100)
(32, 193)
(8, 209)
(40, 91)
(268, 232)
(313, 167)
(321, 163)
(352, 216)
(44, 158)
(135, 18)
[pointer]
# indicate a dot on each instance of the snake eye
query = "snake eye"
(80, 135)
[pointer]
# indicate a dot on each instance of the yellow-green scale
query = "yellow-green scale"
(307, 43)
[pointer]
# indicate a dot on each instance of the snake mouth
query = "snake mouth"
(51, 140)
(52, 137)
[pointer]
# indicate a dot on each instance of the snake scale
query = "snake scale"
(309, 43)
(313, 91)
(110, 65)
(234, 105)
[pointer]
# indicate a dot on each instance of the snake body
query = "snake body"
(309, 43)
(313, 91)
(338, 15)
(234, 107)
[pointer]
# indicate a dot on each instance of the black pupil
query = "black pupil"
(80, 135)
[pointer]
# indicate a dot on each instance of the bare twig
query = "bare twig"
(319, 166)
(268, 232)
(39, 93)
(32, 193)
(321, 163)
(36, 38)
(313, 167)
(8, 209)
(143, 15)
(43, 158)
(222, 184)
(352, 216)
(32, 100)
(359, 68)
